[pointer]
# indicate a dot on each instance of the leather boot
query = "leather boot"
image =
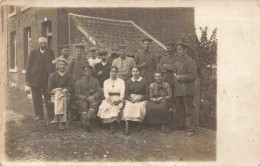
(127, 127)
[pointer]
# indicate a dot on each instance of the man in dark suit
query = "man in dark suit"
(37, 73)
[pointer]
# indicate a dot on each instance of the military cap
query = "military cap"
(87, 66)
(103, 52)
(80, 46)
(92, 49)
(147, 39)
(62, 60)
(181, 43)
(170, 44)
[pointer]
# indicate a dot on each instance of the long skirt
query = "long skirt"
(157, 113)
(134, 111)
(110, 113)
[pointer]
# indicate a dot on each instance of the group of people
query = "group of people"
(142, 89)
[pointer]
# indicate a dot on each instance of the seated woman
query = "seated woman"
(114, 92)
(136, 94)
(159, 102)
(60, 86)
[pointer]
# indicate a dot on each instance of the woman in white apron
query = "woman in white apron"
(114, 92)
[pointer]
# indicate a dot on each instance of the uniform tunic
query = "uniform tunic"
(85, 88)
(136, 90)
(185, 90)
(167, 70)
(125, 67)
(114, 90)
(75, 67)
(105, 71)
(158, 112)
(150, 60)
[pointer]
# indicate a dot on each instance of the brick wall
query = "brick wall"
(32, 17)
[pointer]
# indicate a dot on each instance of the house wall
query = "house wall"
(32, 17)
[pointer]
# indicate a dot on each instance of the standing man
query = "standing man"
(166, 64)
(64, 55)
(37, 74)
(185, 71)
(102, 68)
(146, 61)
(76, 64)
(124, 64)
(88, 96)
(60, 86)
(93, 60)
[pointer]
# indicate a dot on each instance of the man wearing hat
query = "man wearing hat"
(93, 60)
(185, 72)
(39, 68)
(76, 64)
(88, 96)
(64, 55)
(124, 64)
(146, 61)
(102, 68)
(166, 64)
(60, 86)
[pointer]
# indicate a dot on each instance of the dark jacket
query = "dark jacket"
(58, 81)
(105, 72)
(37, 63)
(187, 68)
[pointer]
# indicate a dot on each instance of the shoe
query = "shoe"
(88, 127)
(54, 121)
(190, 133)
(111, 128)
(61, 127)
(38, 118)
(75, 118)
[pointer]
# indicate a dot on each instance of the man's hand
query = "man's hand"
(55, 90)
(143, 65)
(109, 101)
(28, 84)
(116, 102)
(90, 98)
(178, 77)
(64, 90)
(100, 73)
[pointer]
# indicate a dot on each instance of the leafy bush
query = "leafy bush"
(204, 51)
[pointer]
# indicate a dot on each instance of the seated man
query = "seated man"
(159, 102)
(60, 84)
(88, 96)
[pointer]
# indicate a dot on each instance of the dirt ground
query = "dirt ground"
(27, 139)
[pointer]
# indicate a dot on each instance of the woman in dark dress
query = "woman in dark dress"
(136, 95)
(159, 102)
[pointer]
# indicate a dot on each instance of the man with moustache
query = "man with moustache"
(102, 69)
(60, 85)
(37, 74)
(124, 64)
(147, 61)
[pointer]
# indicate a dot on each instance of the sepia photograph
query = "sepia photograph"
(109, 84)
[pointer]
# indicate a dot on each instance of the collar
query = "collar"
(146, 51)
(139, 79)
(104, 63)
(61, 74)
(182, 58)
(42, 51)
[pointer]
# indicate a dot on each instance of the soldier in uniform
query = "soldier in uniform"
(88, 96)
(146, 61)
(76, 64)
(185, 71)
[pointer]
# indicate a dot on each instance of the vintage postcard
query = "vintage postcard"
(130, 83)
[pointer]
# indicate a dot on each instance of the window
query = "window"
(27, 45)
(47, 32)
(11, 11)
(13, 67)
